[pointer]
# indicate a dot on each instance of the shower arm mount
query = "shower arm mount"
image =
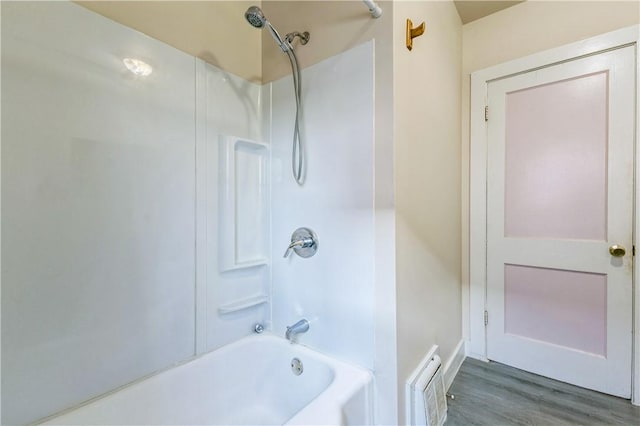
(304, 37)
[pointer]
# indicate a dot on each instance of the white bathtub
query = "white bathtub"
(249, 382)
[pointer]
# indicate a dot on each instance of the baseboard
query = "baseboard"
(471, 354)
(453, 364)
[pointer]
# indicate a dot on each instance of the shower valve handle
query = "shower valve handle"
(304, 243)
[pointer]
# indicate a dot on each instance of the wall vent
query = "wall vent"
(426, 401)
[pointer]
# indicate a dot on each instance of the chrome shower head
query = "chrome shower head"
(256, 18)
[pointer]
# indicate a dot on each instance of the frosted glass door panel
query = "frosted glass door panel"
(566, 308)
(556, 160)
(97, 208)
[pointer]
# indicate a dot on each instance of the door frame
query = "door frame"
(476, 346)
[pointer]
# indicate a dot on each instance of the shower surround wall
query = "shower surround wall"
(334, 289)
(110, 208)
(98, 212)
(113, 301)
(228, 106)
(335, 29)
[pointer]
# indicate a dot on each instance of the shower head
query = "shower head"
(256, 18)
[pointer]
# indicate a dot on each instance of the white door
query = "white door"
(559, 196)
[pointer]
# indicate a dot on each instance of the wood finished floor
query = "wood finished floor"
(494, 394)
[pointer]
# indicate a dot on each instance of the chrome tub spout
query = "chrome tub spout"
(300, 327)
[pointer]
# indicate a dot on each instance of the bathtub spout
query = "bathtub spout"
(300, 327)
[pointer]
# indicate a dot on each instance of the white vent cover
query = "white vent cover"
(426, 393)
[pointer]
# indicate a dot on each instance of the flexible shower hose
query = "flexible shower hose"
(297, 152)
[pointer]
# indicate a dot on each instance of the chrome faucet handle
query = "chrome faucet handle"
(293, 245)
(304, 243)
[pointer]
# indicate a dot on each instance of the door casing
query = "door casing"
(476, 345)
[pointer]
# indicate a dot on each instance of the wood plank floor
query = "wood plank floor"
(493, 394)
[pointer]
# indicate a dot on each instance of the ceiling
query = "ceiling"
(470, 10)
(202, 28)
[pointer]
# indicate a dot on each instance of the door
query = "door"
(559, 221)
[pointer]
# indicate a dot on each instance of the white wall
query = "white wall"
(111, 208)
(336, 27)
(334, 289)
(427, 182)
(232, 107)
(98, 212)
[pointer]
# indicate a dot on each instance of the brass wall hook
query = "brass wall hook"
(413, 32)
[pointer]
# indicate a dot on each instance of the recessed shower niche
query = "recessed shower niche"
(244, 202)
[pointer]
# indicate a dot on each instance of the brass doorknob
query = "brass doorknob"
(617, 251)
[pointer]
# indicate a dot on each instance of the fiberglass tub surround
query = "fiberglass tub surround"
(248, 382)
(120, 175)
